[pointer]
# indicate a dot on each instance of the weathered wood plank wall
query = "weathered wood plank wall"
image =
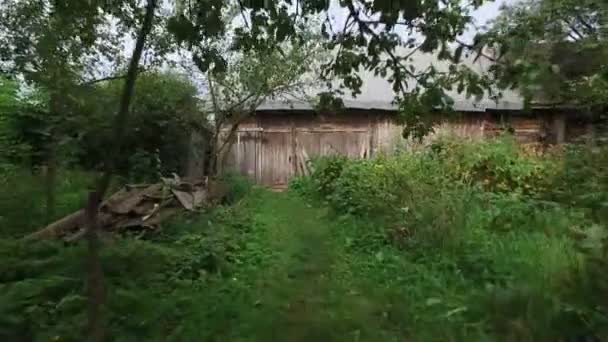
(275, 146)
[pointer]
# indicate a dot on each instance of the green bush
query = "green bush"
(492, 225)
(302, 185)
(151, 285)
(236, 185)
(325, 171)
(582, 181)
(407, 192)
(498, 165)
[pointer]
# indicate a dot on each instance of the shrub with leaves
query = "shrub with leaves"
(325, 172)
(582, 181)
(497, 165)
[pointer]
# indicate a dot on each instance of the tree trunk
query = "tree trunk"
(50, 180)
(95, 271)
(95, 279)
(212, 166)
(120, 121)
(51, 155)
(195, 166)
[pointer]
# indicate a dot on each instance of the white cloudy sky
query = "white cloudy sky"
(490, 10)
(486, 12)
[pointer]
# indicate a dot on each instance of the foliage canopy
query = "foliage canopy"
(553, 51)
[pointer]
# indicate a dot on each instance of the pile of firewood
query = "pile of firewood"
(140, 207)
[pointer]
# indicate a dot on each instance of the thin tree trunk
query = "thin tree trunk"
(120, 120)
(95, 281)
(51, 157)
(50, 180)
(96, 300)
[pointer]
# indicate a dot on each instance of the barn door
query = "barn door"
(243, 154)
(275, 157)
(309, 143)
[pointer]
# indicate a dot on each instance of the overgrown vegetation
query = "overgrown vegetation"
(155, 286)
(450, 247)
(477, 240)
(459, 241)
(164, 113)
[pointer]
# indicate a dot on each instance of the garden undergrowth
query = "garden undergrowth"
(434, 245)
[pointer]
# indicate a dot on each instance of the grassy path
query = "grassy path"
(302, 291)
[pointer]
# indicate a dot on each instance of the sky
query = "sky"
(489, 10)
(481, 16)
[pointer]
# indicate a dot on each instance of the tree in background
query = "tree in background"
(237, 86)
(165, 110)
(52, 46)
(13, 150)
(278, 73)
(552, 51)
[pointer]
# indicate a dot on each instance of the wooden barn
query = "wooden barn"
(275, 145)
(277, 142)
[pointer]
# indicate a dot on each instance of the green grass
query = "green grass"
(306, 275)
(398, 249)
(275, 267)
(293, 284)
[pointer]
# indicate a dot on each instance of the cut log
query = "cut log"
(58, 228)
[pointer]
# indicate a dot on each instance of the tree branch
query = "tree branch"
(396, 62)
(590, 28)
(123, 112)
(573, 29)
(331, 27)
(103, 79)
(478, 51)
(214, 102)
(243, 14)
(110, 78)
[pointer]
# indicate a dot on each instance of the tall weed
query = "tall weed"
(490, 223)
(498, 165)
(22, 205)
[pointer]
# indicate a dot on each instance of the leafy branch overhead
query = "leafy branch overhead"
(552, 51)
(380, 36)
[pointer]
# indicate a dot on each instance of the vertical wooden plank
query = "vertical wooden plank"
(370, 131)
(258, 159)
(276, 167)
(293, 158)
(590, 135)
(240, 162)
(559, 128)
